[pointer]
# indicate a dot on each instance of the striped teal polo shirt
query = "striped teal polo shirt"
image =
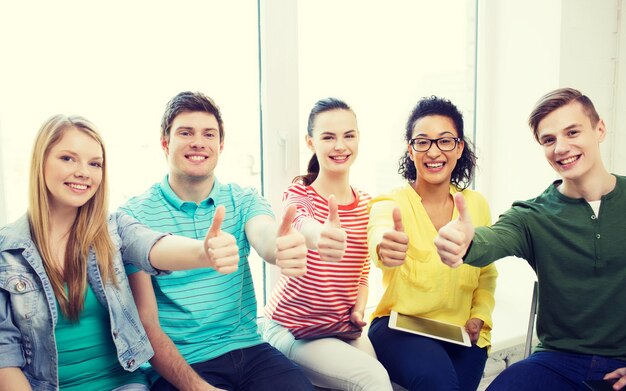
(205, 313)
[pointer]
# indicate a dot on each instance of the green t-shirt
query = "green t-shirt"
(580, 261)
(86, 352)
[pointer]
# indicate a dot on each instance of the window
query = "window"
(117, 63)
(381, 60)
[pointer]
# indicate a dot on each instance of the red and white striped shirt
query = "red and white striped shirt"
(318, 304)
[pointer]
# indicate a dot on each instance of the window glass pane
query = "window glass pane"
(118, 63)
(381, 59)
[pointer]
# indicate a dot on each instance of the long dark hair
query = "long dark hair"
(464, 171)
(321, 106)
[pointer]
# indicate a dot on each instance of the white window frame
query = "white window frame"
(3, 188)
(279, 89)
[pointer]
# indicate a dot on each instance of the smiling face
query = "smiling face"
(335, 141)
(570, 142)
(73, 170)
(435, 166)
(193, 147)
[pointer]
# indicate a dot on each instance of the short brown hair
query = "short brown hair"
(188, 101)
(556, 99)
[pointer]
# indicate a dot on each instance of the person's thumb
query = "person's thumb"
(218, 219)
(461, 206)
(397, 220)
(333, 213)
(288, 217)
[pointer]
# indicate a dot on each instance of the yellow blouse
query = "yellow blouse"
(423, 285)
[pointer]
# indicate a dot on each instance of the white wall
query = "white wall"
(619, 123)
(279, 103)
(590, 61)
(526, 49)
(3, 188)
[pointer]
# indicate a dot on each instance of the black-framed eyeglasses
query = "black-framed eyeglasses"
(422, 144)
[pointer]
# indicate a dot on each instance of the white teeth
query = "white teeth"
(197, 158)
(434, 165)
(339, 157)
(569, 160)
(77, 186)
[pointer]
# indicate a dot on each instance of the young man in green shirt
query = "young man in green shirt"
(573, 236)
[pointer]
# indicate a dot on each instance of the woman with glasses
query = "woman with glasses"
(317, 319)
(438, 163)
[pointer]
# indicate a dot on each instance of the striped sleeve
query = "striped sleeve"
(323, 298)
(296, 194)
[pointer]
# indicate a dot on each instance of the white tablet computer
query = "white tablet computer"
(429, 328)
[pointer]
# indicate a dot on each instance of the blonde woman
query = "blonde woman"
(67, 317)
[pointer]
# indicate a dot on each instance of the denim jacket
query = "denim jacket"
(28, 312)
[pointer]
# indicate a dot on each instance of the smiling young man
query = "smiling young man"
(573, 236)
(202, 323)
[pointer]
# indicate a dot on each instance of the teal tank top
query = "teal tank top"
(86, 352)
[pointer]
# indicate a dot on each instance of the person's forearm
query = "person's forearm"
(266, 247)
(13, 379)
(177, 253)
(167, 360)
(361, 299)
(380, 222)
(483, 299)
(310, 230)
(262, 232)
(170, 364)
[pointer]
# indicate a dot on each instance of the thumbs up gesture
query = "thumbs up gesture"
(455, 237)
(333, 239)
(473, 327)
(290, 247)
(392, 249)
(221, 247)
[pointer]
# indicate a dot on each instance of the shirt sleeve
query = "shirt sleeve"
(11, 354)
(364, 280)
(483, 298)
(136, 242)
(252, 204)
(305, 210)
(508, 236)
(129, 267)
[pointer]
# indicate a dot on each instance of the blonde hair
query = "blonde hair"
(89, 230)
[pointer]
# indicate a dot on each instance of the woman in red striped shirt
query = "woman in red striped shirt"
(316, 320)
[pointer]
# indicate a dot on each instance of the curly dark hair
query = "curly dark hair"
(464, 171)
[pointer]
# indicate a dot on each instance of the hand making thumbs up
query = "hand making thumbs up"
(333, 239)
(455, 237)
(221, 247)
(392, 249)
(290, 247)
